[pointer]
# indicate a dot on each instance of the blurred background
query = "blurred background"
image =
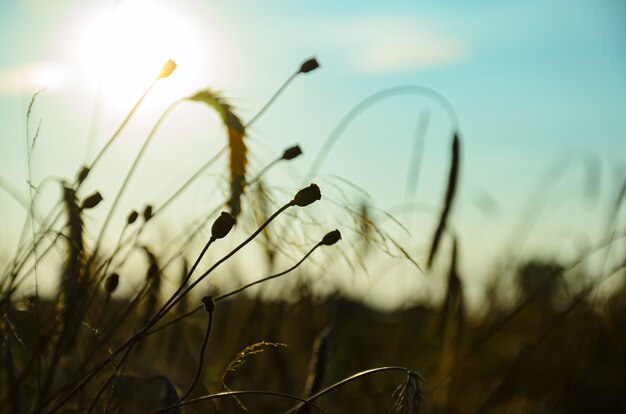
(535, 239)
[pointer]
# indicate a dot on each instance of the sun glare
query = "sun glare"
(124, 51)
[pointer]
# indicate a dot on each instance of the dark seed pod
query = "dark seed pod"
(132, 217)
(92, 201)
(307, 196)
(331, 238)
(82, 174)
(292, 152)
(147, 213)
(111, 283)
(222, 225)
(209, 304)
(309, 65)
(168, 68)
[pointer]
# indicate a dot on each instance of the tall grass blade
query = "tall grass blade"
(453, 178)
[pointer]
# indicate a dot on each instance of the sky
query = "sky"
(539, 90)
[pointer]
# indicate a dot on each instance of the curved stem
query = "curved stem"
(130, 174)
(191, 179)
(350, 379)
(228, 256)
(129, 344)
(238, 393)
(234, 292)
(366, 103)
(263, 171)
(241, 289)
(187, 277)
(272, 99)
(201, 360)
(119, 129)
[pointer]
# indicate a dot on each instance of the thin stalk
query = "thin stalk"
(343, 124)
(187, 277)
(228, 256)
(234, 292)
(129, 344)
(132, 169)
(201, 360)
(272, 99)
(265, 279)
(349, 379)
(119, 129)
(235, 394)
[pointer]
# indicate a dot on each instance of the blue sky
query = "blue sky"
(532, 82)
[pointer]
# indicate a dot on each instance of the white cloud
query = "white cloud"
(398, 44)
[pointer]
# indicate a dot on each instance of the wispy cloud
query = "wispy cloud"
(398, 44)
(28, 79)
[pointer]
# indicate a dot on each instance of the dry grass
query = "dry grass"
(92, 350)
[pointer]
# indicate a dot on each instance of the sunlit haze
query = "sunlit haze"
(123, 50)
(539, 90)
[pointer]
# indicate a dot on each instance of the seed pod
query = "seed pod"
(147, 212)
(307, 196)
(222, 225)
(82, 174)
(209, 304)
(111, 283)
(168, 68)
(292, 152)
(331, 238)
(132, 217)
(91, 201)
(309, 65)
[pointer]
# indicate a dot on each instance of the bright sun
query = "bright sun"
(125, 50)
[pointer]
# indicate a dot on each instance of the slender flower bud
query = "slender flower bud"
(147, 212)
(309, 65)
(331, 238)
(82, 174)
(209, 304)
(292, 152)
(222, 225)
(168, 68)
(307, 196)
(132, 217)
(111, 283)
(92, 201)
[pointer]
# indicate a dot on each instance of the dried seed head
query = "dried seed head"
(168, 68)
(132, 217)
(307, 196)
(309, 65)
(92, 201)
(222, 225)
(111, 283)
(292, 152)
(331, 238)
(209, 304)
(409, 396)
(147, 212)
(82, 174)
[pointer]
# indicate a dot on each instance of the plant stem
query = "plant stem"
(201, 360)
(237, 393)
(272, 99)
(241, 289)
(132, 169)
(119, 129)
(350, 379)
